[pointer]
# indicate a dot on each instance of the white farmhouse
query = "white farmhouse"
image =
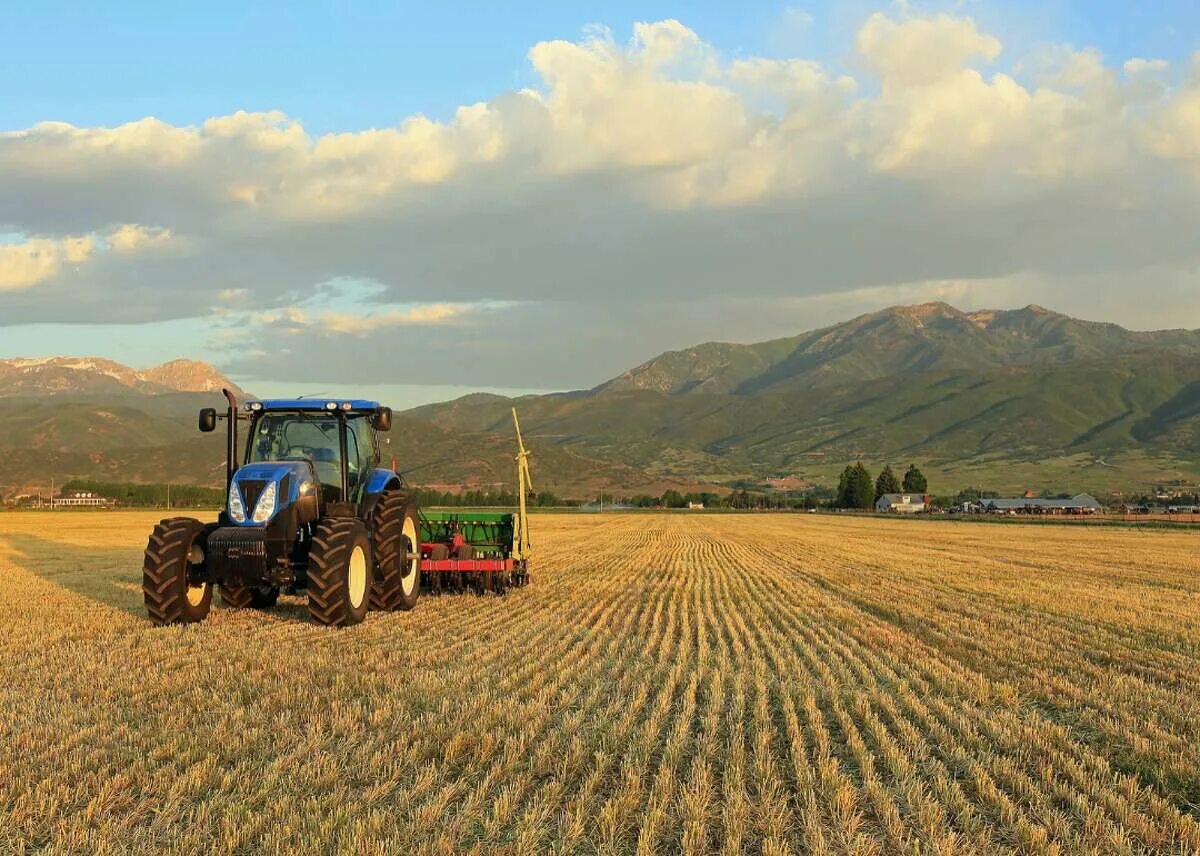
(902, 503)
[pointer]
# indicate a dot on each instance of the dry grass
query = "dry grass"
(667, 684)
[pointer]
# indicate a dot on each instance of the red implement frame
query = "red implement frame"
(468, 565)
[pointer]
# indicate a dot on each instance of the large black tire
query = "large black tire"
(174, 553)
(395, 537)
(339, 572)
(252, 597)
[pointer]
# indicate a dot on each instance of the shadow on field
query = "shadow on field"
(109, 575)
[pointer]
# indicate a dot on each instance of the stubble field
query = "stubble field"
(696, 684)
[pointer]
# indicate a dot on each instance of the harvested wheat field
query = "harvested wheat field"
(695, 684)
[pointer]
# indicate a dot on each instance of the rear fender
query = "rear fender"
(378, 482)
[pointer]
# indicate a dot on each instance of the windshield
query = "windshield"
(313, 437)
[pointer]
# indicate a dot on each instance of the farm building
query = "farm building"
(902, 503)
(82, 499)
(1082, 503)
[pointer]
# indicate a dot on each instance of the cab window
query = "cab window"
(299, 437)
(362, 455)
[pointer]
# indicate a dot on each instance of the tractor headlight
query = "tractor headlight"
(236, 510)
(264, 509)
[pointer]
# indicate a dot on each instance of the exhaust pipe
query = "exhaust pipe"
(231, 453)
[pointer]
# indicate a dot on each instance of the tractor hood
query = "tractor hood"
(260, 491)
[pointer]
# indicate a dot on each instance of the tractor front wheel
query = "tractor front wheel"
(171, 584)
(339, 572)
(395, 537)
(253, 597)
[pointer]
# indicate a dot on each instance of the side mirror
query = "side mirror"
(208, 420)
(383, 419)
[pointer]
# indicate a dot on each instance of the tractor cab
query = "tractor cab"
(322, 454)
(338, 445)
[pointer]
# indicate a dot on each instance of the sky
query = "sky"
(419, 200)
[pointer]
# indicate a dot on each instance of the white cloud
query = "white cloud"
(922, 51)
(1137, 65)
(651, 170)
(664, 114)
(1176, 133)
(35, 260)
(32, 261)
(297, 320)
(132, 238)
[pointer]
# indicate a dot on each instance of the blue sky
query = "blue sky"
(347, 66)
(578, 202)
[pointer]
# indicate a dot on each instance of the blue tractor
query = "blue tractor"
(310, 508)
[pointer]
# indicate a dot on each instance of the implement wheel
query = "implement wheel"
(253, 597)
(339, 572)
(435, 581)
(395, 537)
(174, 560)
(471, 581)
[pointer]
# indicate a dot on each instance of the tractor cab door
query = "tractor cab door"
(362, 454)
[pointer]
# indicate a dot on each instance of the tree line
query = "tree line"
(149, 495)
(856, 488)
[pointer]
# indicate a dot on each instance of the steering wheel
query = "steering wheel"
(299, 453)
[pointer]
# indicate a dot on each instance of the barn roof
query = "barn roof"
(1082, 500)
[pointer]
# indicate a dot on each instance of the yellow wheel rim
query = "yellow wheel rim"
(357, 577)
(195, 594)
(408, 580)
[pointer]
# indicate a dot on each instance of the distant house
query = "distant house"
(902, 503)
(696, 505)
(81, 499)
(1082, 503)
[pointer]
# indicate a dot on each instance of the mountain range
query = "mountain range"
(65, 417)
(1011, 398)
(97, 376)
(1014, 397)
(902, 340)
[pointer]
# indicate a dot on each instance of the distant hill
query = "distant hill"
(67, 417)
(1011, 398)
(98, 376)
(1006, 395)
(898, 340)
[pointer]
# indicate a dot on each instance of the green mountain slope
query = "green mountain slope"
(153, 438)
(1016, 398)
(953, 390)
(927, 337)
(1097, 407)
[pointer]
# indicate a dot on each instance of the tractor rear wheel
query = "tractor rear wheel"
(339, 572)
(254, 597)
(174, 559)
(395, 537)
